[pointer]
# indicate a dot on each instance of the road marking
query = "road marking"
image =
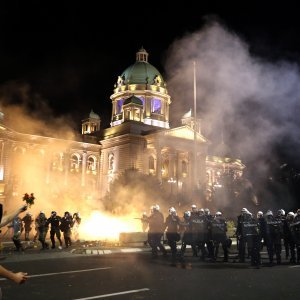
(66, 272)
(131, 250)
(114, 294)
(297, 266)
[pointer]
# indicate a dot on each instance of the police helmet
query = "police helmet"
(260, 214)
(172, 211)
(193, 207)
(290, 214)
(201, 211)
(218, 214)
(187, 214)
(282, 212)
(269, 213)
(156, 207)
(206, 211)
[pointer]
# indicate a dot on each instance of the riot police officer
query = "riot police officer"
(219, 236)
(156, 230)
(54, 222)
(274, 230)
(172, 228)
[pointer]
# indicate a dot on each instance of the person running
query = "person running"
(42, 225)
(54, 221)
(66, 225)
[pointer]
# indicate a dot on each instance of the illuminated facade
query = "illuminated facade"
(139, 138)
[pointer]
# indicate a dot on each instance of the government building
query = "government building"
(139, 138)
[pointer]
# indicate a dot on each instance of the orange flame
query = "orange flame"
(98, 226)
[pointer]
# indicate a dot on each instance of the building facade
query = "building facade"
(139, 138)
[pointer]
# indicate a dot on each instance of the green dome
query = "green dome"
(141, 72)
(94, 115)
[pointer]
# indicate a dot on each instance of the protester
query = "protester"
(76, 224)
(42, 226)
(19, 277)
(16, 225)
(27, 220)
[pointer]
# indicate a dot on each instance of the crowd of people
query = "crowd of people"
(205, 233)
(65, 226)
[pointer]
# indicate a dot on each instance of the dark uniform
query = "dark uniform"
(172, 228)
(199, 229)
(290, 235)
(41, 223)
(54, 221)
(274, 230)
(155, 232)
(209, 242)
(66, 225)
(240, 234)
(251, 233)
(296, 231)
(219, 236)
(186, 233)
(262, 228)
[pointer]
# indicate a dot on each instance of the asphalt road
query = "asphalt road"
(65, 275)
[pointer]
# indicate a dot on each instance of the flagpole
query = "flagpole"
(195, 122)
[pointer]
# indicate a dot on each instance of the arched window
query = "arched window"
(91, 164)
(75, 163)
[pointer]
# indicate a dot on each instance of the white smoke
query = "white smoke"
(255, 102)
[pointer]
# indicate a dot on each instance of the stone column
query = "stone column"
(158, 162)
(83, 171)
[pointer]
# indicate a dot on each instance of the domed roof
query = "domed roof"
(141, 72)
(94, 115)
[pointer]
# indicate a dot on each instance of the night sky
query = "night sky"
(69, 53)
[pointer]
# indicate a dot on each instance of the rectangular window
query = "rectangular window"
(156, 106)
(119, 106)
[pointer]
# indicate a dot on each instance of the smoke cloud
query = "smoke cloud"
(253, 102)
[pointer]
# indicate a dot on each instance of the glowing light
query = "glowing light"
(105, 227)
